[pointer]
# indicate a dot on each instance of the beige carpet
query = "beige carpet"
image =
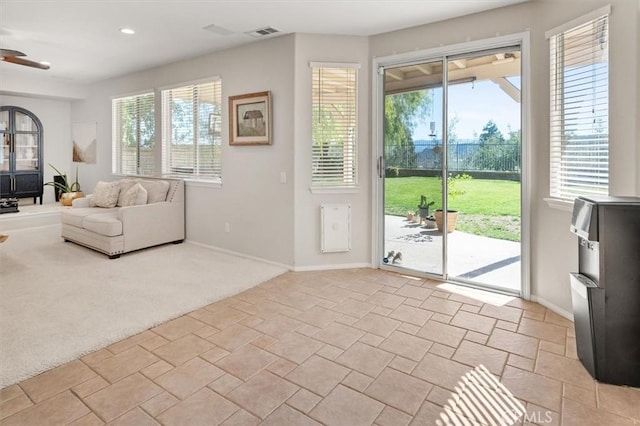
(59, 301)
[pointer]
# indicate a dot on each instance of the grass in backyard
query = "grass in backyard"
(488, 207)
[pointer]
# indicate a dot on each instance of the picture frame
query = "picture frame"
(250, 119)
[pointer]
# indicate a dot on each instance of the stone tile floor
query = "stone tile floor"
(352, 347)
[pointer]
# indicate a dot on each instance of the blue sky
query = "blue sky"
(474, 105)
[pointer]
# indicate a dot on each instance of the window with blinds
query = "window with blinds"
(192, 131)
(334, 125)
(579, 119)
(133, 135)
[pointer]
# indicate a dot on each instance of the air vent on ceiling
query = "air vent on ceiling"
(263, 32)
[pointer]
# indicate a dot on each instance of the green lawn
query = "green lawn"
(488, 207)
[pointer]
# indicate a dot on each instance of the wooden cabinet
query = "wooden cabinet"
(21, 154)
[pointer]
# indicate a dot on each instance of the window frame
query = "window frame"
(349, 183)
(562, 193)
(213, 179)
(116, 134)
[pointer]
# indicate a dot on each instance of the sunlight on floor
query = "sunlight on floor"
(479, 295)
(480, 397)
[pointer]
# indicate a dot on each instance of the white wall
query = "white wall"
(553, 250)
(24, 81)
(307, 205)
(276, 221)
(252, 200)
(57, 148)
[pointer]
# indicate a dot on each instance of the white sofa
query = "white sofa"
(125, 228)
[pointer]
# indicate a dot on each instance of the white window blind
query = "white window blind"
(334, 124)
(133, 134)
(579, 119)
(192, 131)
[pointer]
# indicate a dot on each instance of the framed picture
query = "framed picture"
(250, 119)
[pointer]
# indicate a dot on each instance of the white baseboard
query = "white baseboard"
(555, 308)
(282, 265)
(246, 256)
(330, 267)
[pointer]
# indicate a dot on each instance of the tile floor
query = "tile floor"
(354, 347)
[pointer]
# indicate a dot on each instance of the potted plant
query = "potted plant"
(68, 191)
(423, 207)
(453, 190)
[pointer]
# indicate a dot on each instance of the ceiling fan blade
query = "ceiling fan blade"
(9, 52)
(26, 62)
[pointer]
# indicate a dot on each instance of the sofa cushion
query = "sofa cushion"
(135, 196)
(106, 224)
(156, 189)
(125, 185)
(75, 216)
(105, 194)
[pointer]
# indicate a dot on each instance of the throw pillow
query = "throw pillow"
(157, 190)
(105, 194)
(135, 196)
(125, 185)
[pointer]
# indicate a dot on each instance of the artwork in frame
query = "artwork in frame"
(84, 142)
(250, 119)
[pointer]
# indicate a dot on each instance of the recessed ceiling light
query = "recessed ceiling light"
(127, 31)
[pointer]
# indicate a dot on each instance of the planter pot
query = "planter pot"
(452, 218)
(423, 212)
(430, 223)
(66, 198)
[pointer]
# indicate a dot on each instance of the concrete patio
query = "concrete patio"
(484, 260)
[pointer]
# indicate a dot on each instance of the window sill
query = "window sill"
(334, 190)
(556, 203)
(202, 183)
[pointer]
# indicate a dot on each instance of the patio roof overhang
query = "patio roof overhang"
(496, 67)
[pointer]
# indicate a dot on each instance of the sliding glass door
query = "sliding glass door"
(452, 143)
(413, 124)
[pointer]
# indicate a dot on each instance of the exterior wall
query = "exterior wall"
(55, 116)
(307, 205)
(553, 247)
(257, 207)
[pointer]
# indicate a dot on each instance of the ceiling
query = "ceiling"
(83, 42)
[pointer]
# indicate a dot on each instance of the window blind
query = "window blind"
(192, 131)
(334, 125)
(133, 134)
(579, 119)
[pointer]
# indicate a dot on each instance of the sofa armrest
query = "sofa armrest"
(81, 202)
(151, 224)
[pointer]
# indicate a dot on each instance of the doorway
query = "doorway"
(451, 141)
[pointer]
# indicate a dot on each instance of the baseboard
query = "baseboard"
(282, 265)
(330, 267)
(245, 256)
(555, 308)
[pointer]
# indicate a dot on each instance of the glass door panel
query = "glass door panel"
(5, 139)
(483, 153)
(5, 152)
(413, 132)
(24, 123)
(26, 152)
(4, 121)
